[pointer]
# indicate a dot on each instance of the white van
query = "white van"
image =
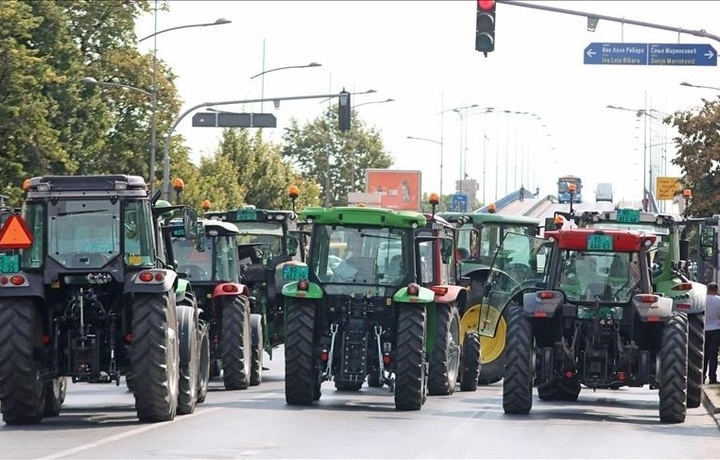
(604, 192)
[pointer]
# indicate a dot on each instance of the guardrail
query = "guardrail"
(504, 201)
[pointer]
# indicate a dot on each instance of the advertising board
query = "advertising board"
(398, 189)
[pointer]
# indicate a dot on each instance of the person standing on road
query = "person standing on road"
(522, 193)
(712, 333)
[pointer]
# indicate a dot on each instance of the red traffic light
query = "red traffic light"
(486, 5)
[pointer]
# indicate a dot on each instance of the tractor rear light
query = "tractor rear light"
(303, 285)
(386, 359)
(540, 314)
(413, 289)
(439, 290)
(545, 294)
(159, 277)
(17, 280)
(129, 337)
(622, 376)
(4, 280)
(146, 277)
(682, 287)
(229, 288)
(324, 356)
(569, 374)
(45, 339)
(648, 298)
(684, 306)
(653, 319)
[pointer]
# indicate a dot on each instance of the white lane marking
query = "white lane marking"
(127, 434)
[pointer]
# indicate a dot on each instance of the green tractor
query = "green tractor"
(91, 295)
(670, 274)
(211, 264)
(267, 241)
(479, 237)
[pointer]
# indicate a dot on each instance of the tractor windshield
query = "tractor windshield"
(266, 236)
(609, 276)
(217, 262)
(360, 255)
(83, 233)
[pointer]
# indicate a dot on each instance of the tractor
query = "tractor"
(671, 271)
(589, 317)
(88, 292)
(357, 309)
(479, 236)
(211, 264)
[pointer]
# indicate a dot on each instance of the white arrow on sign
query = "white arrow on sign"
(709, 54)
(591, 53)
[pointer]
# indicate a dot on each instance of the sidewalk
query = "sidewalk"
(711, 401)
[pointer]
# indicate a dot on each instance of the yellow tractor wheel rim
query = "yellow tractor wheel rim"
(491, 347)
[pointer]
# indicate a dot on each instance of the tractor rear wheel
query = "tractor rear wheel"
(673, 372)
(204, 374)
(301, 382)
(470, 362)
(235, 343)
(444, 363)
(410, 365)
(189, 360)
(155, 357)
(55, 392)
(23, 394)
(518, 373)
(696, 350)
(258, 347)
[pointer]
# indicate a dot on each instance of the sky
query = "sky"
(550, 115)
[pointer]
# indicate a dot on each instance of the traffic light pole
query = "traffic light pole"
(651, 25)
(166, 152)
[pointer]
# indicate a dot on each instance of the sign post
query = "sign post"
(667, 187)
(459, 202)
(660, 54)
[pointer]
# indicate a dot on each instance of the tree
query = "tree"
(698, 144)
(310, 149)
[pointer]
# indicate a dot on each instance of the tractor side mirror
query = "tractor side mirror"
(292, 246)
(189, 220)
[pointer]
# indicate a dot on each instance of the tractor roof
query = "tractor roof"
(86, 186)
(489, 218)
(222, 228)
(586, 239)
(363, 216)
(251, 214)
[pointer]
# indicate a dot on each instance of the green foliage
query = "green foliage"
(310, 147)
(698, 145)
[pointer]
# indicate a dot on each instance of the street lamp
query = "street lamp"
(374, 102)
(440, 143)
(262, 74)
(153, 98)
(699, 86)
(153, 121)
(461, 111)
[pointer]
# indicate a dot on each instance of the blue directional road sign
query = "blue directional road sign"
(665, 54)
(459, 202)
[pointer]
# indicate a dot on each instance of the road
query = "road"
(99, 422)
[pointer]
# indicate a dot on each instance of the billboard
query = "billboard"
(398, 189)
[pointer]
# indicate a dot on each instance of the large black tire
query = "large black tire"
(494, 353)
(235, 342)
(189, 360)
(470, 367)
(673, 372)
(204, 374)
(22, 393)
(155, 357)
(518, 373)
(410, 365)
(444, 363)
(129, 381)
(301, 382)
(258, 347)
(55, 392)
(696, 350)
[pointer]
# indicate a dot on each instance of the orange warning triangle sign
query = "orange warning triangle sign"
(15, 234)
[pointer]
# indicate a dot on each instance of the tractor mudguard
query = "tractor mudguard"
(652, 308)
(313, 291)
(542, 304)
(163, 281)
(453, 294)
(182, 287)
(691, 300)
(424, 296)
(32, 287)
(227, 289)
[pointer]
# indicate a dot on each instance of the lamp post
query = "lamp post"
(153, 98)
(353, 150)
(153, 121)
(263, 72)
(440, 143)
(461, 111)
(699, 86)
(374, 102)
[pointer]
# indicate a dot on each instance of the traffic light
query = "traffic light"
(485, 26)
(344, 111)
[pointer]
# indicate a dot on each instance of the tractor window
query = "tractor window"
(426, 250)
(197, 265)
(83, 234)
(34, 216)
(369, 255)
(609, 276)
(467, 242)
(268, 236)
(138, 235)
(226, 260)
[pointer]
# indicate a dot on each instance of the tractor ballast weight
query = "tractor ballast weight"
(92, 298)
(594, 320)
